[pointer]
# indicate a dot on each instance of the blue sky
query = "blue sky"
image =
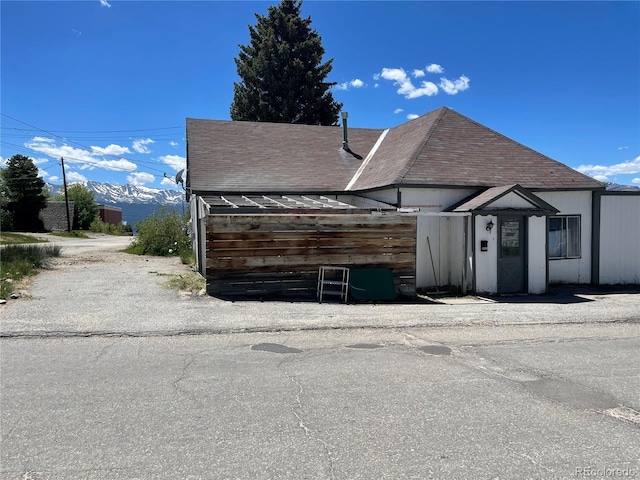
(108, 84)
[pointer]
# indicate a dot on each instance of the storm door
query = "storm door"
(511, 254)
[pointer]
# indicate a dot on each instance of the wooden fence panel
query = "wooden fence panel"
(259, 255)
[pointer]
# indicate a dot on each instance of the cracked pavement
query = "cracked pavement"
(520, 401)
(106, 374)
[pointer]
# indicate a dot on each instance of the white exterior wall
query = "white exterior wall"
(434, 199)
(620, 239)
(486, 262)
(389, 195)
(511, 200)
(445, 236)
(441, 238)
(537, 254)
(572, 270)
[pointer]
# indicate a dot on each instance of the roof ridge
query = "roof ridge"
(422, 145)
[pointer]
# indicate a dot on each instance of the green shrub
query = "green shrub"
(98, 226)
(161, 234)
(19, 261)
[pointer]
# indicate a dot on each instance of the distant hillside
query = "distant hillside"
(136, 202)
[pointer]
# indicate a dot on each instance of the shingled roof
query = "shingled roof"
(252, 157)
(439, 148)
(444, 147)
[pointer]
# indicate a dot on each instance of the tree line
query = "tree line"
(24, 194)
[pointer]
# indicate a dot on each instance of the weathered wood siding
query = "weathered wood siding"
(255, 255)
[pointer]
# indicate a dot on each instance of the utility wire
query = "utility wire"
(81, 145)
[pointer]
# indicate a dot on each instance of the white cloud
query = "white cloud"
(140, 145)
(110, 150)
(174, 161)
(400, 78)
(77, 33)
(455, 86)
(78, 156)
(398, 110)
(603, 172)
(168, 181)
(76, 177)
(418, 73)
(434, 68)
(43, 173)
(173, 144)
(355, 83)
(411, 116)
(139, 179)
(116, 165)
(70, 154)
(623, 148)
(636, 181)
(104, 3)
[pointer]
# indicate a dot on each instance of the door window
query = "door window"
(510, 238)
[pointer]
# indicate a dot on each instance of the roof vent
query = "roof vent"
(345, 142)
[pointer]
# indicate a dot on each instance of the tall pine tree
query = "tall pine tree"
(283, 77)
(24, 190)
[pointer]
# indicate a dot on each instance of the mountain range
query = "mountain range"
(136, 202)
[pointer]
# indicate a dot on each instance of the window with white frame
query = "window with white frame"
(564, 236)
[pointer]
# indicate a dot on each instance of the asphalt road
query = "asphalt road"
(447, 403)
(107, 374)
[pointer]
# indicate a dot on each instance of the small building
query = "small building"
(490, 214)
(54, 216)
(111, 215)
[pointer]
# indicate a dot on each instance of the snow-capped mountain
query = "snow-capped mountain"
(136, 202)
(109, 194)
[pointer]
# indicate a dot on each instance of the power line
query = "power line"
(96, 163)
(81, 145)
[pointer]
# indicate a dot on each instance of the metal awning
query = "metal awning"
(279, 203)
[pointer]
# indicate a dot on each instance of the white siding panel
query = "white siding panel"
(440, 238)
(572, 270)
(429, 228)
(620, 239)
(510, 200)
(486, 262)
(434, 199)
(389, 195)
(537, 255)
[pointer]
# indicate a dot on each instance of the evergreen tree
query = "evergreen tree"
(23, 188)
(85, 208)
(6, 216)
(283, 77)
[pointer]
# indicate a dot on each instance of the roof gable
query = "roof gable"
(505, 197)
(444, 147)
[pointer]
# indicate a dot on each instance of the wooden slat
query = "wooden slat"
(308, 220)
(277, 252)
(329, 242)
(310, 235)
(280, 254)
(290, 260)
